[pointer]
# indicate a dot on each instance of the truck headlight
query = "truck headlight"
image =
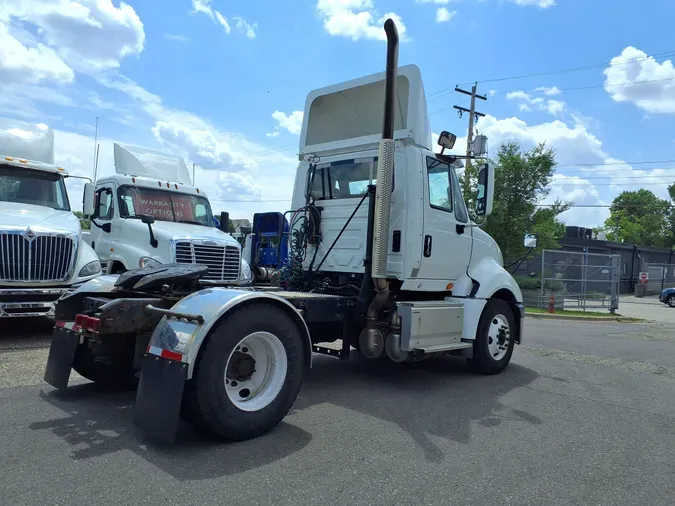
(148, 262)
(90, 269)
(245, 270)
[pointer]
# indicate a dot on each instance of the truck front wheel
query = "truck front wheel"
(248, 373)
(493, 346)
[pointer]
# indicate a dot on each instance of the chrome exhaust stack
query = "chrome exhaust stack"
(371, 340)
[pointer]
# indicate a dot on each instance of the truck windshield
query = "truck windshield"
(34, 187)
(165, 205)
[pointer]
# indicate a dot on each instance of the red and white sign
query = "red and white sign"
(644, 277)
(159, 205)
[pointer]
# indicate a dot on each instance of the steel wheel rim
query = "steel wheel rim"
(499, 336)
(256, 371)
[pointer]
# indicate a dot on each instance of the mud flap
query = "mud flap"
(159, 397)
(61, 357)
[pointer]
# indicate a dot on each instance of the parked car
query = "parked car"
(668, 297)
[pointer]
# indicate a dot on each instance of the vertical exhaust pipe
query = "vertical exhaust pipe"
(371, 340)
(385, 166)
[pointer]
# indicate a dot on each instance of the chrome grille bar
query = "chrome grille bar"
(38, 258)
(223, 261)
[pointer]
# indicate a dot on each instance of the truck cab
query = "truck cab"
(42, 254)
(434, 246)
(148, 214)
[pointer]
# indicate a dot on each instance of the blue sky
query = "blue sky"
(223, 83)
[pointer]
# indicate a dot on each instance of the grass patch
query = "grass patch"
(570, 313)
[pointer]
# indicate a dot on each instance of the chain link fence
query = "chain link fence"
(579, 280)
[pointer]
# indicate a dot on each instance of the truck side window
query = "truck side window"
(440, 189)
(344, 179)
(105, 207)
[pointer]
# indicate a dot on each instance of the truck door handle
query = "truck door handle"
(427, 246)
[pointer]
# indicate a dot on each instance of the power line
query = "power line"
(571, 69)
(643, 162)
(607, 206)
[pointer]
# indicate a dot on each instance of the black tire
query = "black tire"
(206, 403)
(483, 362)
(114, 371)
(670, 301)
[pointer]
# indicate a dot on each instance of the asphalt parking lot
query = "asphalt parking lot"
(583, 415)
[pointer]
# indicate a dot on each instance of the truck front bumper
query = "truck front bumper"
(25, 302)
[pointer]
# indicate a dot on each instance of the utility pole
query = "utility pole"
(473, 115)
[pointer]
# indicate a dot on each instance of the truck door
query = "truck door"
(446, 238)
(102, 241)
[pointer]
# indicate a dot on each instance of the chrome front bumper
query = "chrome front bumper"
(27, 302)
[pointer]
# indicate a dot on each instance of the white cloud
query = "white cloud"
(437, 2)
(587, 174)
(240, 24)
(492, 93)
(543, 4)
(356, 19)
(244, 27)
(204, 7)
(87, 34)
(291, 122)
(443, 15)
(30, 65)
(550, 91)
(553, 107)
(177, 37)
(635, 77)
(518, 95)
(222, 20)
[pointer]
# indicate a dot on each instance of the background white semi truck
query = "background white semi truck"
(148, 214)
(395, 269)
(41, 251)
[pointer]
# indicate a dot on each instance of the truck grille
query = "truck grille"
(223, 261)
(36, 257)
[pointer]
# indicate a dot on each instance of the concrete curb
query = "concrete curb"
(547, 316)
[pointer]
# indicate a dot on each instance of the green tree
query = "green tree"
(640, 217)
(84, 222)
(521, 182)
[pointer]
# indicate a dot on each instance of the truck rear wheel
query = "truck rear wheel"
(113, 369)
(493, 346)
(248, 373)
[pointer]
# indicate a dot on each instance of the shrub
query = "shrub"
(528, 283)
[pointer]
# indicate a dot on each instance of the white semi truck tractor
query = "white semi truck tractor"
(149, 214)
(384, 258)
(42, 254)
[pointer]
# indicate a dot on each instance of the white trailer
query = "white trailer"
(42, 254)
(384, 259)
(149, 214)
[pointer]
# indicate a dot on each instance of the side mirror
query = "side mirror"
(447, 140)
(486, 190)
(147, 219)
(245, 231)
(88, 200)
(224, 222)
(530, 241)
